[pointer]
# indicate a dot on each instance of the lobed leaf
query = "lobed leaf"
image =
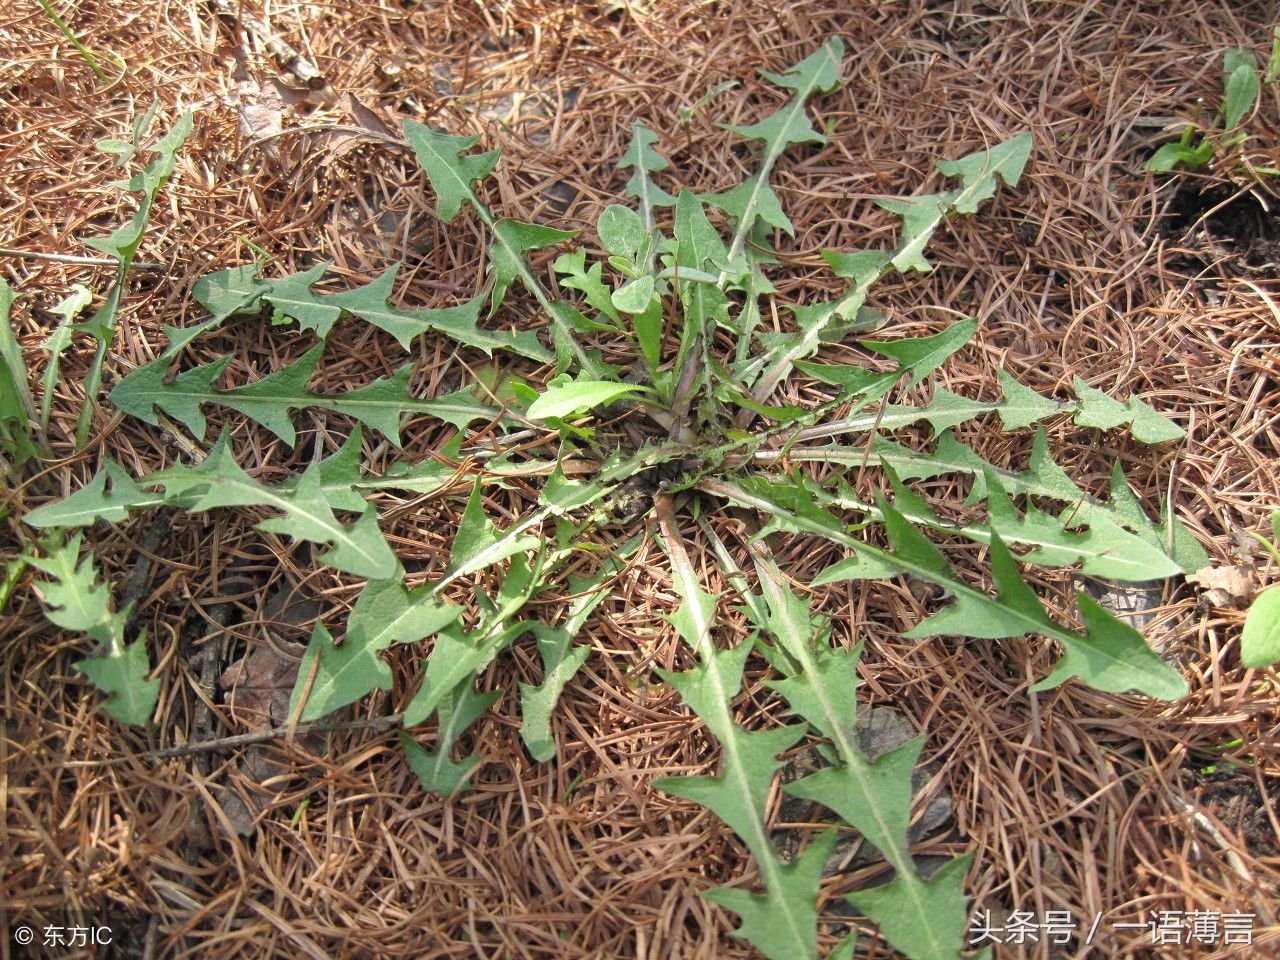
(270, 401)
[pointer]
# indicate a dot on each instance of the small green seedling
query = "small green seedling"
(1240, 93)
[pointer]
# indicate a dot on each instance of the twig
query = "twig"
(74, 260)
(261, 736)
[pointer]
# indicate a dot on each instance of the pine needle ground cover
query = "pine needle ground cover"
(473, 507)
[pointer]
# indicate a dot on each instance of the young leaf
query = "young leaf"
(69, 308)
(75, 600)
(644, 160)
(123, 244)
(16, 409)
(564, 397)
(621, 230)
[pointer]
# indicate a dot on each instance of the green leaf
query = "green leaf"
(478, 544)
(644, 160)
(450, 173)
(621, 230)
(634, 296)
(220, 482)
(749, 760)
(590, 282)
(564, 397)
(75, 600)
(919, 357)
(270, 401)
(1260, 641)
(1240, 93)
(738, 203)
(120, 672)
(795, 896)
(16, 409)
(512, 239)
(560, 660)
(697, 242)
(343, 675)
(123, 244)
(437, 770)
(69, 308)
(1099, 411)
(1108, 656)
(95, 501)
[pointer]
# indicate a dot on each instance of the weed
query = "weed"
(690, 427)
(1239, 94)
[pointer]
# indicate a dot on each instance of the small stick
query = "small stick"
(261, 736)
(75, 261)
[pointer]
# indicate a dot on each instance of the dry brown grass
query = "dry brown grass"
(1071, 800)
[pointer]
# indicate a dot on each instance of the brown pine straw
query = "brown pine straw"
(1069, 799)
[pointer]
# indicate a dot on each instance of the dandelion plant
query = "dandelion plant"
(687, 428)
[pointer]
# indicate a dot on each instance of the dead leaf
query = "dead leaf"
(1225, 586)
(259, 686)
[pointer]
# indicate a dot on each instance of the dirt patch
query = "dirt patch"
(1236, 229)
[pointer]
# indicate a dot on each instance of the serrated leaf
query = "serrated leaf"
(478, 544)
(795, 896)
(1108, 656)
(451, 174)
(95, 501)
(342, 675)
(644, 160)
(737, 203)
(123, 245)
(437, 770)
(120, 672)
(560, 660)
(270, 401)
(512, 239)
(697, 241)
(920, 356)
(589, 281)
(220, 482)
(1099, 411)
(893, 908)
(749, 760)
(75, 600)
(872, 796)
